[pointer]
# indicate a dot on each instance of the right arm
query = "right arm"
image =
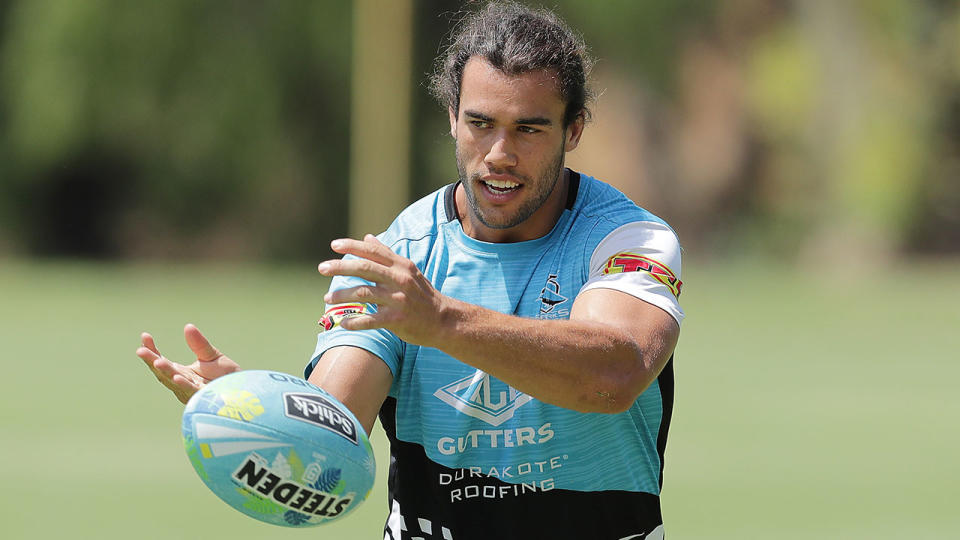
(357, 378)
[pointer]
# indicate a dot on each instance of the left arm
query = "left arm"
(611, 349)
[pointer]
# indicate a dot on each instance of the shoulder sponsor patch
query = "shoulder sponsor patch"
(338, 312)
(632, 262)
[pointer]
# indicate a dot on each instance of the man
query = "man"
(514, 327)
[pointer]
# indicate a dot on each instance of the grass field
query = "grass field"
(808, 405)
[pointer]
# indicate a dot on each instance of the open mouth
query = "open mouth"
(500, 186)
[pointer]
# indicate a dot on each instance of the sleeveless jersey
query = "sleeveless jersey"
(472, 457)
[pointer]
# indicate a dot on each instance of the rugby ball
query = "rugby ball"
(278, 448)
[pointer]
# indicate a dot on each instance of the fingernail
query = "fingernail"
(336, 244)
(323, 268)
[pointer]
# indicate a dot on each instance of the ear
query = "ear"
(573, 133)
(453, 122)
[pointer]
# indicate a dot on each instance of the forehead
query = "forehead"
(486, 89)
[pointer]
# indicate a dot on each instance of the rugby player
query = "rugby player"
(514, 330)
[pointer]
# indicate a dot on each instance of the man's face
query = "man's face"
(510, 151)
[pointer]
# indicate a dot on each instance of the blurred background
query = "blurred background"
(166, 162)
(222, 130)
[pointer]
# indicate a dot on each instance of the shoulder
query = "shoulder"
(608, 214)
(628, 247)
(607, 205)
(419, 223)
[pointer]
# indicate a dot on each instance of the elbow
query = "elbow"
(628, 368)
(617, 390)
(607, 399)
(618, 400)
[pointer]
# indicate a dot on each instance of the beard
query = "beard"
(539, 190)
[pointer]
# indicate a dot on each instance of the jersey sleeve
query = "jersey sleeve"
(380, 342)
(641, 259)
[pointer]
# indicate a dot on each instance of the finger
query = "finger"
(147, 341)
(199, 345)
(182, 383)
(162, 368)
(368, 248)
(372, 239)
(174, 377)
(170, 375)
(361, 268)
(360, 322)
(361, 294)
(148, 356)
(182, 387)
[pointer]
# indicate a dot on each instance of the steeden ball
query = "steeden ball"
(278, 448)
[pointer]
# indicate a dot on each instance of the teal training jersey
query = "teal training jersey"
(464, 443)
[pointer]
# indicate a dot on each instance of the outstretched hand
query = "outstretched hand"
(181, 379)
(407, 303)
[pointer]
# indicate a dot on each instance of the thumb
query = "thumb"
(199, 345)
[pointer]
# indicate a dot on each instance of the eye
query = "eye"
(527, 129)
(481, 124)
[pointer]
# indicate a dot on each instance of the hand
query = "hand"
(183, 380)
(407, 303)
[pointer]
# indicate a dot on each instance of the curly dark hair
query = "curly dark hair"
(516, 39)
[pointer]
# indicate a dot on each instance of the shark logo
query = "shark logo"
(483, 397)
(550, 296)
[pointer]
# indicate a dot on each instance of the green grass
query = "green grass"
(816, 405)
(808, 405)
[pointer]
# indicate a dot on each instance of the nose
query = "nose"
(501, 154)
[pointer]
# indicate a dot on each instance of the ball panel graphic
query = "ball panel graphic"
(278, 448)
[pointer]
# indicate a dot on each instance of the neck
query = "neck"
(536, 226)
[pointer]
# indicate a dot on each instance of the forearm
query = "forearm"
(577, 364)
(357, 378)
(600, 360)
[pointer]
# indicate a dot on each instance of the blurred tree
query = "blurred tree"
(432, 161)
(843, 100)
(221, 128)
(643, 37)
(176, 128)
(785, 128)
(936, 227)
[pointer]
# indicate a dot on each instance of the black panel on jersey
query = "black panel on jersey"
(572, 189)
(450, 202)
(497, 511)
(665, 382)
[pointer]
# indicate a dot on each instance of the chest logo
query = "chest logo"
(550, 296)
(483, 397)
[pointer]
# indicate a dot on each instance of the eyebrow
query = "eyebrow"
(477, 115)
(531, 121)
(534, 121)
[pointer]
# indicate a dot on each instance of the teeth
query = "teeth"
(501, 184)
